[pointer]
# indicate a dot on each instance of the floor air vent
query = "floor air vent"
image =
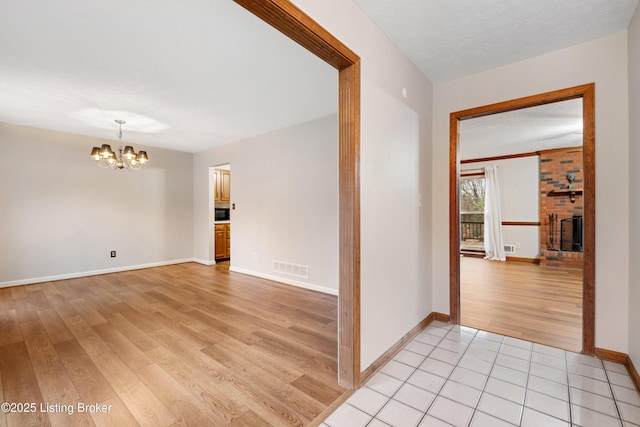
(290, 269)
(509, 249)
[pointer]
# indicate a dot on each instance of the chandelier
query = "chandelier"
(125, 158)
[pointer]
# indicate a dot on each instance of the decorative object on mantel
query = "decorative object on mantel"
(570, 191)
(125, 158)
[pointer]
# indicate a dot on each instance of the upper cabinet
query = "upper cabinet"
(218, 181)
(225, 190)
(222, 191)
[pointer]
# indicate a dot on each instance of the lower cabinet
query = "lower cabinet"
(222, 241)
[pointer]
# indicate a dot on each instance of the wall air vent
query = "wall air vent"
(509, 249)
(290, 269)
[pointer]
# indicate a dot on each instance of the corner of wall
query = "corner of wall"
(633, 38)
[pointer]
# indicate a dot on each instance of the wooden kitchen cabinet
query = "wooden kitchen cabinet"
(222, 187)
(225, 186)
(216, 185)
(222, 241)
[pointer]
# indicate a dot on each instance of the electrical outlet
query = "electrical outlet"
(517, 245)
(255, 255)
(113, 254)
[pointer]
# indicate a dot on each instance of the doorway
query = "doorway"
(295, 24)
(584, 93)
(222, 207)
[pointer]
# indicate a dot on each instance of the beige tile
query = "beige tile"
(398, 414)
(452, 412)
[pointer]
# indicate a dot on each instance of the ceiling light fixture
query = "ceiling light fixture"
(126, 157)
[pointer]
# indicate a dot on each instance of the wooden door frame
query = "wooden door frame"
(295, 24)
(587, 93)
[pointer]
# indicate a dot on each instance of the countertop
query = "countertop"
(222, 222)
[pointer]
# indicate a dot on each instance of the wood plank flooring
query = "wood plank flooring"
(170, 346)
(523, 300)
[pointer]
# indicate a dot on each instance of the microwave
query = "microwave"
(222, 214)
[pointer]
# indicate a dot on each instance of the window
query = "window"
(472, 190)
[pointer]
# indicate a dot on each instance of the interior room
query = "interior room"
(535, 251)
(340, 296)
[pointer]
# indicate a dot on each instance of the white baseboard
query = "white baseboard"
(91, 273)
(162, 263)
(286, 281)
(203, 261)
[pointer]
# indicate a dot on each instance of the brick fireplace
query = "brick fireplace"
(561, 208)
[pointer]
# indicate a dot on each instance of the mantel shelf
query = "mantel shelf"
(571, 192)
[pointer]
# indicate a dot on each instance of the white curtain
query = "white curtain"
(493, 243)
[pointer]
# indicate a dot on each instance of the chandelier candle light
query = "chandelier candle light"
(126, 157)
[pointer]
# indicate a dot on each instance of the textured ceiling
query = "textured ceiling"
(186, 75)
(527, 130)
(193, 74)
(447, 39)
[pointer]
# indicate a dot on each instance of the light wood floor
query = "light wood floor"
(177, 345)
(523, 300)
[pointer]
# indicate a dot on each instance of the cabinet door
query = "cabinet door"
(228, 245)
(220, 243)
(217, 184)
(225, 186)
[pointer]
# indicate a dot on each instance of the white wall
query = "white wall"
(519, 201)
(634, 189)
(61, 214)
(603, 61)
(284, 185)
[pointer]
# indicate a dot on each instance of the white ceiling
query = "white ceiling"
(526, 130)
(193, 74)
(447, 39)
(185, 75)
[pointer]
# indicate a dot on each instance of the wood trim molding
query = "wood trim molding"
(454, 220)
(504, 157)
(610, 355)
(299, 27)
(349, 226)
(515, 156)
(617, 357)
(441, 317)
(589, 218)
(398, 346)
(287, 18)
(522, 223)
(633, 372)
(587, 93)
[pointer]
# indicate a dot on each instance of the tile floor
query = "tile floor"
(457, 376)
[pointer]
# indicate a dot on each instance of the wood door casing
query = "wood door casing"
(587, 93)
(299, 27)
